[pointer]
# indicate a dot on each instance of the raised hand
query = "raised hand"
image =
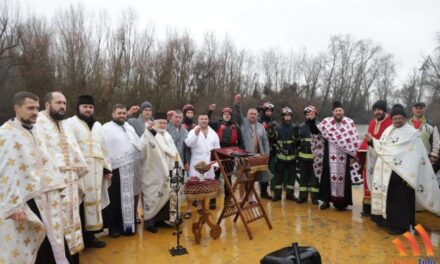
(149, 124)
(170, 114)
(133, 110)
(197, 130)
(237, 99)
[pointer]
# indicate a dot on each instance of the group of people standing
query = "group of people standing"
(64, 179)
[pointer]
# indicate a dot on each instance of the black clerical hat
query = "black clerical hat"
(86, 99)
(160, 115)
(337, 104)
(398, 110)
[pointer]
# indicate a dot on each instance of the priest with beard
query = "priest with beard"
(68, 158)
(402, 175)
(335, 142)
(159, 155)
(31, 224)
(123, 145)
(89, 135)
(367, 154)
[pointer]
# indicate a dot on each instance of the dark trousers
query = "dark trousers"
(308, 182)
(45, 253)
(400, 204)
(162, 215)
(217, 177)
(281, 168)
(112, 214)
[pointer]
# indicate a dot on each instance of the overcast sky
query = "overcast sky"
(405, 28)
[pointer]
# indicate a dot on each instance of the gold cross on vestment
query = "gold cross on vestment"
(17, 146)
(14, 199)
(30, 187)
(10, 162)
(4, 180)
(15, 253)
(23, 167)
(27, 241)
(7, 238)
(55, 204)
(20, 228)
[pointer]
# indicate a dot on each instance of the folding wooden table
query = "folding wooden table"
(245, 166)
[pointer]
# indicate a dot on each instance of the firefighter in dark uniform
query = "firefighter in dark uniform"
(286, 138)
(308, 182)
(266, 119)
(230, 136)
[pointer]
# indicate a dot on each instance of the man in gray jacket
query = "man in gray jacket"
(144, 120)
(254, 137)
(178, 133)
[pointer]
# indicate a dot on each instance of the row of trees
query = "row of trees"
(117, 62)
(424, 84)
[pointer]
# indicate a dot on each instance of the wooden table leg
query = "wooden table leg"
(215, 230)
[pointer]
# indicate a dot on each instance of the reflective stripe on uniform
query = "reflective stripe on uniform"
(315, 190)
(281, 156)
(305, 155)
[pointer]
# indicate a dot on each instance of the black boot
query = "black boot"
(212, 204)
(94, 243)
(290, 196)
(151, 229)
(324, 206)
(114, 233)
(302, 197)
(396, 231)
(263, 191)
(366, 210)
(314, 198)
(277, 195)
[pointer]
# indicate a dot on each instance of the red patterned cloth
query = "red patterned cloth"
(343, 140)
(343, 134)
(195, 189)
(376, 129)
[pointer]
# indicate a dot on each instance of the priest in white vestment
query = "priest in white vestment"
(159, 156)
(67, 156)
(402, 175)
(123, 146)
(31, 223)
(89, 136)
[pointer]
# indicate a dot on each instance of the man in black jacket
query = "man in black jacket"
(308, 182)
(266, 119)
(285, 137)
(230, 136)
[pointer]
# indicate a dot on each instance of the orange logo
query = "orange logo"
(413, 243)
